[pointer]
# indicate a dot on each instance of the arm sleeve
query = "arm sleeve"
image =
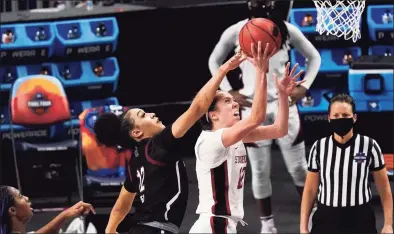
(226, 43)
(211, 150)
(377, 157)
(313, 163)
(305, 47)
(130, 183)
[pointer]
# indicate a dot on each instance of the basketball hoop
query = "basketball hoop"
(340, 18)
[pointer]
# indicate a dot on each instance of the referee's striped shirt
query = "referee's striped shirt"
(344, 169)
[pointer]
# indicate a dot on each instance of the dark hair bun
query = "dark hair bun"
(107, 129)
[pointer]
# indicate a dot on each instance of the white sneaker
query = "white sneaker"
(310, 218)
(268, 230)
(268, 226)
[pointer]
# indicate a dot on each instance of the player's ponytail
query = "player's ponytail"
(6, 201)
(112, 130)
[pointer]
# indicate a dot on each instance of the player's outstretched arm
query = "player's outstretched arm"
(81, 208)
(306, 48)
(241, 129)
(227, 42)
(280, 127)
(204, 98)
(121, 209)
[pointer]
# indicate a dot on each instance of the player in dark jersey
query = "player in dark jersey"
(156, 173)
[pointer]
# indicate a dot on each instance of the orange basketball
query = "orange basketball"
(260, 29)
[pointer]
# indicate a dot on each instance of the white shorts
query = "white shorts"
(212, 224)
(293, 135)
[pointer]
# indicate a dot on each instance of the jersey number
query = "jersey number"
(141, 176)
(241, 177)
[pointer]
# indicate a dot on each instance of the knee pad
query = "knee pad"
(262, 189)
(298, 173)
(296, 163)
(260, 162)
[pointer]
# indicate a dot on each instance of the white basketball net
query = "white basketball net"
(340, 18)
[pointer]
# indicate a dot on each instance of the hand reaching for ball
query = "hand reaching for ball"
(261, 57)
(234, 61)
(81, 208)
(289, 81)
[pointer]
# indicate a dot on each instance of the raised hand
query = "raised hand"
(81, 208)
(289, 81)
(261, 57)
(234, 61)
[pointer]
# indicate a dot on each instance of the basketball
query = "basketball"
(263, 30)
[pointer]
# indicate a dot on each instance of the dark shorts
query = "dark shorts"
(358, 219)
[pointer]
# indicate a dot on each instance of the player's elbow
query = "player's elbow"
(255, 121)
(213, 63)
(258, 117)
(282, 130)
(261, 118)
(318, 60)
(315, 58)
(122, 206)
(198, 108)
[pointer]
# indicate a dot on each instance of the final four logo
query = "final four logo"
(39, 103)
(360, 157)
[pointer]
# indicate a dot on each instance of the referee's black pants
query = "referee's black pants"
(357, 219)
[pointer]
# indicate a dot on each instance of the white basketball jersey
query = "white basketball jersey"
(220, 174)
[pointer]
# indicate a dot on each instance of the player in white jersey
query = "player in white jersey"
(292, 145)
(220, 152)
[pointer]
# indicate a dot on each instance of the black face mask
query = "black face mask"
(261, 11)
(342, 126)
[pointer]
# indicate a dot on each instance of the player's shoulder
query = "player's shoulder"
(208, 138)
(237, 26)
(289, 24)
(242, 22)
(292, 28)
(206, 134)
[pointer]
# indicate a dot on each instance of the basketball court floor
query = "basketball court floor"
(286, 203)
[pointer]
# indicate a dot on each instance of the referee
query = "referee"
(339, 166)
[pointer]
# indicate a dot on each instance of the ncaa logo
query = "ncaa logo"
(39, 103)
(116, 109)
(360, 157)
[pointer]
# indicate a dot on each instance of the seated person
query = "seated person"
(16, 212)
